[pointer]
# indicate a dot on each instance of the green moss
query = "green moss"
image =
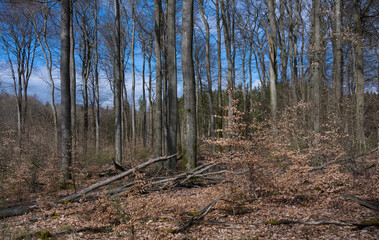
(276, 222)
(43, 235)
(66, 185)
(318, 188)
(172, 231)
(273, 222)
(63, 202)
(55, 216)
(371, 221)
(194, 213)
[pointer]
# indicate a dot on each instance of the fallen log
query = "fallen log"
(365, 203)
(165, 182)
(114, 178)
(16, 210)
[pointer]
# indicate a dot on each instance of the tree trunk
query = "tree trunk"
(73, 82)
(316, 65)
(151, 108)
(228, 49)
(190, 142)
(133, 81)
(118, 84)
(273, 60)
(359, 76)
(65, 89)
(96, 86)
(208, 66)
(144, 127)
(219, 71)
(172, 84)
(158, 89)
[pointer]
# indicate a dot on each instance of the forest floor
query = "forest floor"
(254, 202)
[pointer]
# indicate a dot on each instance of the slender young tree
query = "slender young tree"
(189, 86)
(359, 75)
(272, 40)
(172, 84)
(158, 73)
(316, 64)
(225, 16)
(65, 89)
(41, 35)
(219, 68)
(208, 67)
(73, 81)
(96, 84)
(118, 83)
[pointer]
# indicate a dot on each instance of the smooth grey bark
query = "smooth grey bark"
(96, 85)
(73, 82)
(208, 67)
(316, 64)
(118, 83)
(189, 86)
(243, 50)
(219, 70)
(158, 73)
(42, 40)
(85, 54)
(283, 44)
(134, 137)
(172, 84)
(359, 75)
(337, 58)
(151, 106)
(293, 29)
(144, 124)
(228, 49)
(65, 90)
(273, 74)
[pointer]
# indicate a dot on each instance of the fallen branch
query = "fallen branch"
(344, 159)
(198, 215)
(165, 182)
(114, 178)
(358, 225)
(365, 203)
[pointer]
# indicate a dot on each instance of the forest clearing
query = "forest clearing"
(189, 119)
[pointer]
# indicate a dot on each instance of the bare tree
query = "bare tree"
(158, 73)
(208, 66)
(118, 83)
(20, 45)
(42, 38)
(73, 82)
(359, 74)
(226, 22)
(65, 89)
(272, 40)
(190, 142)
(172, 108)
(316, 64)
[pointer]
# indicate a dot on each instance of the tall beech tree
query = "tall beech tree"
(272, 41)
(158, 73)
(172, 109)
(118, 83)
(189, 87)
(65, 89)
